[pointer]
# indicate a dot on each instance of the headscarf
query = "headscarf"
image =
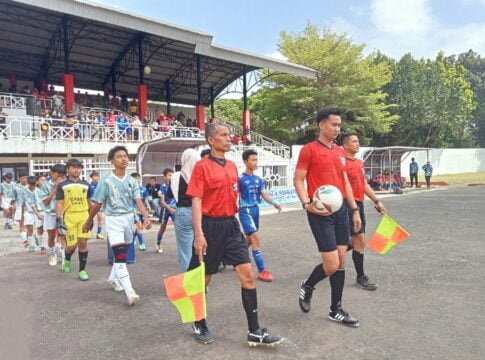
(189, 158)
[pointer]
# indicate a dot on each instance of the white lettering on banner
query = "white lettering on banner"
(282, 196)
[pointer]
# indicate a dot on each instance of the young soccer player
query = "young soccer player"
(167, 211)
(48, 193)
(355, 172)
(321, 162)
(72, 210)
(252, 192)
(213, 187)
(116, 193)
(99, 217)
(6, 198)
(39, 221)
(138, 235)
(30, 211)
(18, 201)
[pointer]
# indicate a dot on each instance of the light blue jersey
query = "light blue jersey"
(7, 190)
(19, 194)
(251, 188)
(116, 194)
(44, 191)
(29, 200)
(40, 204)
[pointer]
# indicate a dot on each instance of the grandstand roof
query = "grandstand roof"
(104, 41)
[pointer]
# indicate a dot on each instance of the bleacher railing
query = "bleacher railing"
(21, 101)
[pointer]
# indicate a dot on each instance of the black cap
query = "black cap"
(74, 162)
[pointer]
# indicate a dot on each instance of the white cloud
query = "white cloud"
(401, 17)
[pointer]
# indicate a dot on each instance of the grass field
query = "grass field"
(458, 179)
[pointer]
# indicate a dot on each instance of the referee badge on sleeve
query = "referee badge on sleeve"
(234, 187)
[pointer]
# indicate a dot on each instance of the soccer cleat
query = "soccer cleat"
(52, 260)
(83, 275)
(364, 283)
(42, 251)
(66, 266)
(341, 316)
(159, 249)
(115, 284)
(99, 237)
(262, 337)
(142, 247)
(265, 276)
(31, 248)
(305, 298)
(202, 333)
(133, 299)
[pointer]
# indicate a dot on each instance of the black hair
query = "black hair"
(344, 136)
(41, 175)
(59, 168)
(323, 114)
(32, 180)
(113, 151)
(153, 178)
(22, 174)
(8, 176)
(205, 152)
(74, 162)
(93, 173)
(166, 171)
(247, 153)
(178, 167)
(135, 174)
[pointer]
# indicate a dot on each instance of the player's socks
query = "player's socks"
(51, 251)
(258, 259)
(100, 230)
(159, 239)
(40, 238)
(337, 281)
(139, 236)
(83, 259)
(124, 278)
(23, 236)
(67, 256)
(358, 258)
(316, 276)
(250, 303)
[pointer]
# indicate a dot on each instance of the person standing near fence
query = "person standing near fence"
(413, 172)
(6, 196)
(428, 172)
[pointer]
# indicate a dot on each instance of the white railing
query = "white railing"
(21, 101)
(59, 130)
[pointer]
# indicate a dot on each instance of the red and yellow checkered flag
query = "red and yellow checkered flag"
(387, 235)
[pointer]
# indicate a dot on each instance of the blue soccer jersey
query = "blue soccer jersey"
(168, 200)
(251, 188)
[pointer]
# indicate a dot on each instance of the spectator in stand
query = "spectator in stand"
(235, 140)
(164, 123)
(413, 172)
(123, 126)
(181, 118)
(136, 125)
(115, 102)
(190, 122)
(133, 108)
(154, 195)
(69, 122)
(82, 119)
(51, 91)
(25, 90)
(111, 122)
(3, 123)
(57, 100)
(88, 100)
(98, 100)
(106, 101)
(78, 97)
(158, 112)
(428, 172)
(13, 84)
(124, 103)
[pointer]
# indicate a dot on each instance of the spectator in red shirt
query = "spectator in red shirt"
(235, 140)
(213, 188)
(355, 172)
(320, 163)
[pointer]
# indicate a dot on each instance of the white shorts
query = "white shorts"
(120, 228)
(29, 218)
(18, 213)
(38, 222)
(50, 222)
(6, 203)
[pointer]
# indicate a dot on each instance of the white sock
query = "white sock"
(30, 240)
(112, 275)
(52, 251)
(23, 235)
(124, 278)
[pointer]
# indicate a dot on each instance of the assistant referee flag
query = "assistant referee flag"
(388, 234)
(187, 292)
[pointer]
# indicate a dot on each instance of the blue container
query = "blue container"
(130, 255)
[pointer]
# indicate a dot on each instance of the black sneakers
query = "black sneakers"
(364, 283)
(341, 316)
(305, 298)
(202, 333)
(262, 337)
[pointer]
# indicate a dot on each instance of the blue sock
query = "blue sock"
(140, 238)
(100, 229)
(159, 239)
(258, 259)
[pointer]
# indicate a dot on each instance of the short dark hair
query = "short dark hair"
(135, 174)
(412, 159)
(345, 136)
(153, 178)
(178, 167)
(41, 176)
(247, 153)
(8, 176)
(166, 171)
(59, 168)
(211, 130)
(22, 174)
(323, 114)
(32, 180)
(93, 173)
(113, 151)
(74, 162)
(205, 152)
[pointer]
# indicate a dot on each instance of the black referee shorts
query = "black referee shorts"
(360, 205)
(330, 231)
(225, 243)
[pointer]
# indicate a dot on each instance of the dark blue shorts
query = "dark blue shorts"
(165, 215)
(249, 217)
(330, 231)
(360, 205)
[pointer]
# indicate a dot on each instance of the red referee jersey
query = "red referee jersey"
(356, 175)
(324, 165)
(217, 185)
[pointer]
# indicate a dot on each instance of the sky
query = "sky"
(395, 27)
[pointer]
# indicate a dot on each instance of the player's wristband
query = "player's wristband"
(303, 204)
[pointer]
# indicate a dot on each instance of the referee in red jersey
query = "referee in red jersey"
(321, 162)
(213, 187)
(355, 172)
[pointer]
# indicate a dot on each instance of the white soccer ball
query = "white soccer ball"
(328, 197)
(147, 70)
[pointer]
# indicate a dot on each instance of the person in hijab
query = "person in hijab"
(184, 230)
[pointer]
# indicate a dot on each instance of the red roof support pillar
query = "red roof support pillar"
(142, 101)
(68, 93)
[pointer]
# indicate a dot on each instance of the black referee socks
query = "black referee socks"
(316, 276)
(250, 303)
(337, 281)
(358, 258)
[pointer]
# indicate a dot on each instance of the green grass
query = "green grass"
(460, 179)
